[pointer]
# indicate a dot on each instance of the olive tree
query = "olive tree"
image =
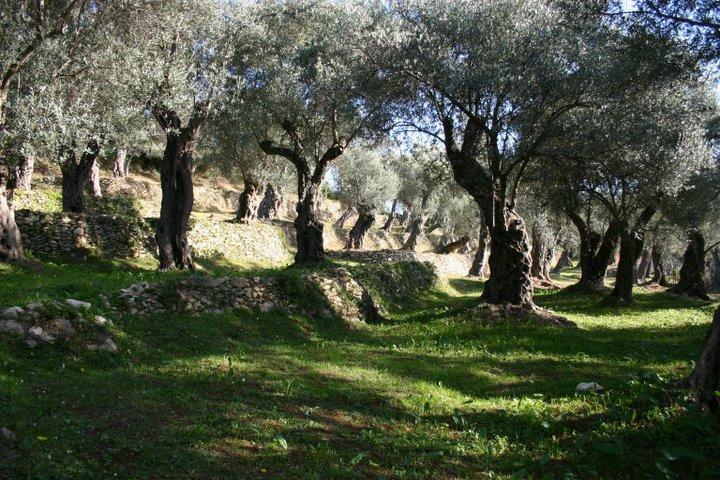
(365, 182)
(492, 79)
(311, 95)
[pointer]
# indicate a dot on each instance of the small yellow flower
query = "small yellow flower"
(42, 438)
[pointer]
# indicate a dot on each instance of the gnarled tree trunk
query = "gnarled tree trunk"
(249, 201)
(705, 377)
(510, 262)
(691, 283)
(643, 268)
(364, 221)
(391, 215)
(631, 244)
(24, 171)
(176, 184)
(308, 228)
(563, 262)
(416, 227)
(120, 165)
(539, 252)
(270, 204)
(595, 253)
(477, 269)
(10, 241)
(405, 220)
(94, 180)
(75, 175)
(343, 218)
(659, 273)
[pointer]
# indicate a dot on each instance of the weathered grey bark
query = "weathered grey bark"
(10, 241)
(271, 202)
(249, 201)
(631, 244)
(595, 253)
(416, 227)
(510, 280)
(94, 180)
(691, 283)
(391, 216)
(75, 175)
(405, 220)
(121, 165)
(176, 183)
(705, 377)
(565, 261)
(308, 227)
(477, 269)
(343, 218)
(365, 220)
(643, 267)
(454, 246)
(23, 172)
(659, 273)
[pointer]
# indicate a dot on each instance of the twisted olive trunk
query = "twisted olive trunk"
(454, 246)
(270, 204)
(705, 377)
(563, 262)
(415, 227)
(249, 201)
(10, 241)
(539, 252)
(479, 263)
(643, 268)
(94, 180)
(391, 215)
(176, 184)
(75, 175)
(23, 172)
(659, 272)
(691, 283)
(364, 221)
(121, 164)
(596, 251)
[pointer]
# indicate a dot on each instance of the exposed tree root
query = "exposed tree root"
(515, 314)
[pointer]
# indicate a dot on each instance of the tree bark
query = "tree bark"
(716, 270)
(121, 164)
(249, 201)
(75, 175)
(176, 184)
(24, 171)
(539, 252)
(631, 244)
(510, 262)
(391, 216)
(477, 269)
(405, 220)
(454, 246)
(416, 227)
(270, 204)
(10, 241)
(691, 283)
(595, 253)
(364, 221)
(659, 273)
(563, 262)
(94, 180)
(343, 218)
(643, 268)
(308, 227)
(705, 377)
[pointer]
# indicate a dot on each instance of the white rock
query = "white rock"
(7, 435)
(106, 345)
(101, 320)
(589, 387)
(267, 306)
(11, 327)
(77, 303)
(11, 313)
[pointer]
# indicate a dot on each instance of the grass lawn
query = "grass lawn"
(429, 394)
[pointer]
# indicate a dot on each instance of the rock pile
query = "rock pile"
(56, 322)
(199, 294)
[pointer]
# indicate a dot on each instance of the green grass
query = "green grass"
(428, 394)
